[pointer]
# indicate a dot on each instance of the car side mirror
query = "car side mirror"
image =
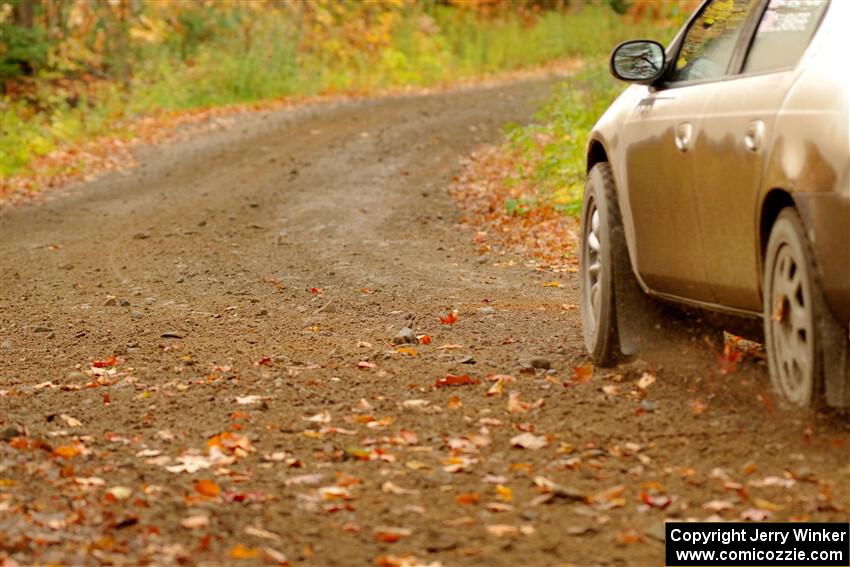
(638, 61)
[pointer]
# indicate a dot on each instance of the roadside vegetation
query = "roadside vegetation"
(78, 71)
(525, 194)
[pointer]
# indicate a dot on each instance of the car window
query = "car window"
(710, 40)
(785, 30)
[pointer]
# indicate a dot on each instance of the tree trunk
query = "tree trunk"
(24, 13)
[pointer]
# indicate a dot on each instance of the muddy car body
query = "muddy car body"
(728, 168)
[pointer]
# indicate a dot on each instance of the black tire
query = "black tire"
(797, 320)
(600, 222)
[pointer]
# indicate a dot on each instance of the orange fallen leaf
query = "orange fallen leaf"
(697, 407)
(454, 403)
(582, 374)
(628, 537)
(504, 492)
(424, 339)
(552, 284)
(467, 499)
(207, 488)
(239, 551)
(67, 451)
(407, 350)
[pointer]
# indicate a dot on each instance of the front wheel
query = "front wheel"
(600, 218)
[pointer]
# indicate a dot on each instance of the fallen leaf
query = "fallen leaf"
(504, 492)
(628, 537)
(468, 498)
(239, 551)
(763, 504)
(424, 339)
(107, 363)
(755, 515)
(646, 380)
(730, 358)
(321, 417)
(120, 492)
(195, 522)
(552, 284)
(697, 407)
(207, 488)
(452, 380)
(391, 488)
(449, 319)
(409, 351)
(502, 530)
(529, 441)
(70, 421)
(582, 374)
(389, 535)
(262, 533)
(718, 505)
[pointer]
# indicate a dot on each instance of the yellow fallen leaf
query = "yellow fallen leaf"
(504, 492)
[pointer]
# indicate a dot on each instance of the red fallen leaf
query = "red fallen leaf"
(245, 496)
(452, 380)
(730, 358)
(449, 319)
(655, 501)
(425, 340)
(109, 362)
(106, 400)
(390, 535)
(265, 361)
(207, 488)
(315, 290)
(468, 499)
(764, 398)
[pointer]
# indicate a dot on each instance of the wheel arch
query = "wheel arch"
(596, 153)
(773, 203)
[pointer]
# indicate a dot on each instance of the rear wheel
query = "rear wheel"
(793, 308)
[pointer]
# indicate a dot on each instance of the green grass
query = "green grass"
(551, 150)
(429, 47)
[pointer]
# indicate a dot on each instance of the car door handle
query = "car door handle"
(754, 138)
(684, 136)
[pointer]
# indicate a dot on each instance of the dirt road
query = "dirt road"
(249, 285)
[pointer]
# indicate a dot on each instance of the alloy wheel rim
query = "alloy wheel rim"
(593, 265)
(792, 325)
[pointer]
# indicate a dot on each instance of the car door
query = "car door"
(660, 162)
(737, 130)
